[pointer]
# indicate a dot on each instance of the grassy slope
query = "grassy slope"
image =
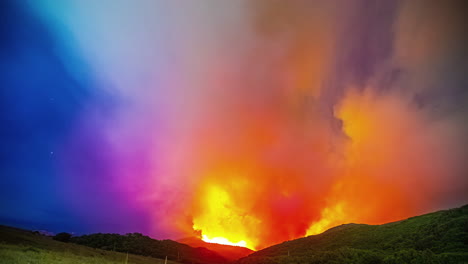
(20, 246)
(440, 237)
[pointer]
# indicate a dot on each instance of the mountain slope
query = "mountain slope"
(139, 244)
(18, 246)
(440, 237)
(228, 252)
(23, 246)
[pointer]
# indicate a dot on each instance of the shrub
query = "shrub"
(63, 237)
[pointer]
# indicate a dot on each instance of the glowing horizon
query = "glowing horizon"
(224, 241)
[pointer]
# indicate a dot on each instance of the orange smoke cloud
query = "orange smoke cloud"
(387, 155)
(251, 201)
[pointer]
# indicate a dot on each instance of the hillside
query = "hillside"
(139, 244)
(228, 252)
(440, 237)
(22, 246)
(19, 246)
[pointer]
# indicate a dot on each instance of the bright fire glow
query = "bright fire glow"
(224, 241)
(330, 217)
(222, 220)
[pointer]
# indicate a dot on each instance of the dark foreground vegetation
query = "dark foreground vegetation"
(19, 246)
(22, 246)
(139, 244)
(440, 237)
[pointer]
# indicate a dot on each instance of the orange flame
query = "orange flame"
(330, 217)
(222, 221)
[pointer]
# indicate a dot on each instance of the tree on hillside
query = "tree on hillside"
(64, 237)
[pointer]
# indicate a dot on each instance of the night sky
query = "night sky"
(229, 119)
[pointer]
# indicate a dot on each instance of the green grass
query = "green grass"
(19, 254)
(24, 247)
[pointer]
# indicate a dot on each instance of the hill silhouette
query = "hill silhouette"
(229, 252)
(439, 237)
(139, 244)
(18, 243)
(18, 246)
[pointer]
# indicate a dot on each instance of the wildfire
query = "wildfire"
(224, 241)
(222, 221)
(331, 216)
(277, 197)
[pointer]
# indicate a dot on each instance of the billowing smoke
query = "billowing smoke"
(255, 122)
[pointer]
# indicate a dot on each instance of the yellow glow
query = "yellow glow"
(224, 241)
(357, 114)
(221, 221)
(331, 217)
